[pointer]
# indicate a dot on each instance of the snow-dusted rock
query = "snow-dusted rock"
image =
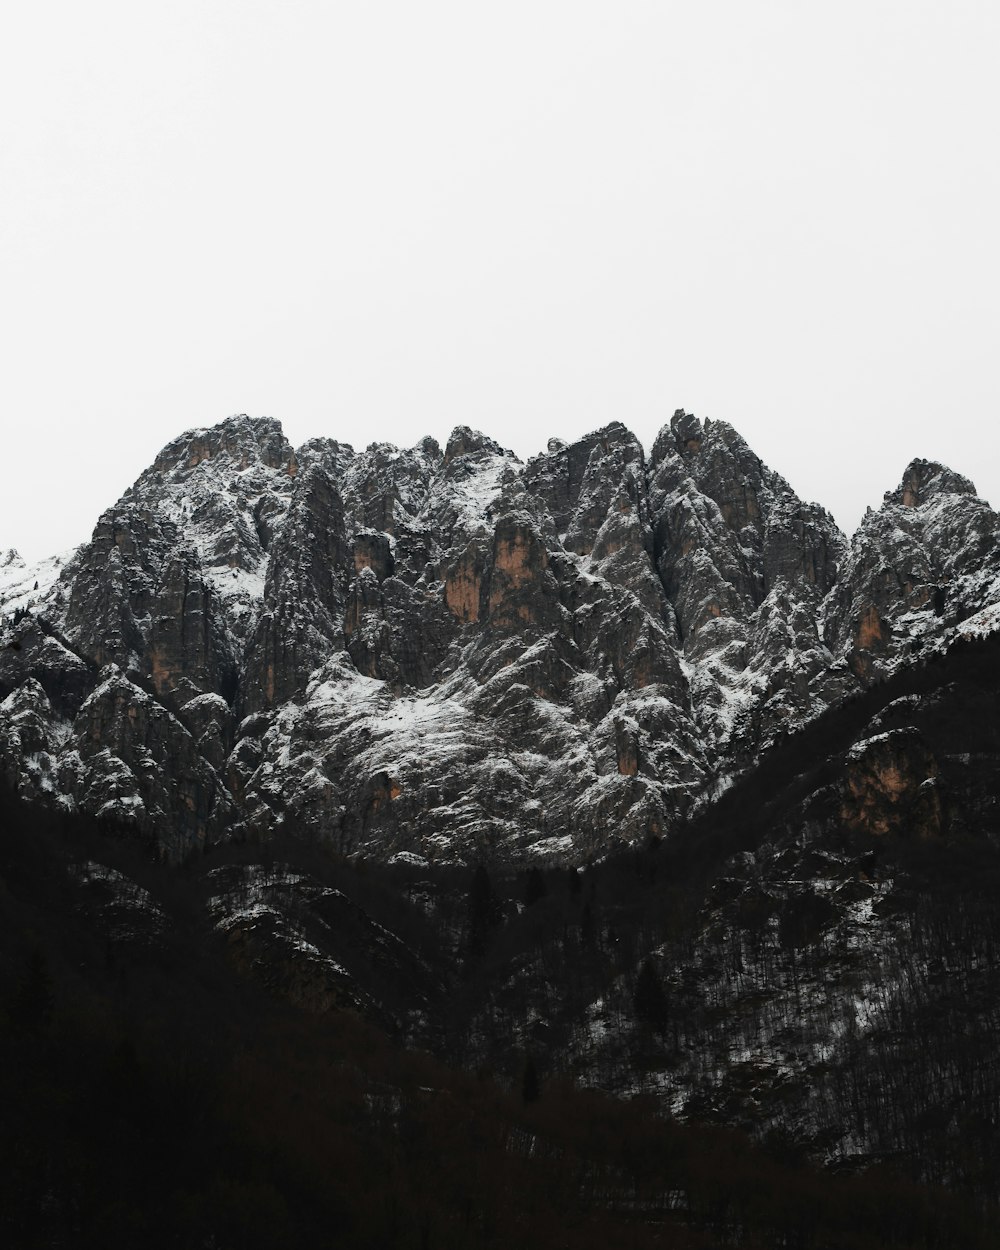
(927, 560)
(450, 654)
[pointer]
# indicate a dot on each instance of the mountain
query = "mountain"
(456, 656)
(776, 1026)
(332, 778)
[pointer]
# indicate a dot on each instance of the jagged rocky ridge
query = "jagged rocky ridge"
(454, 655)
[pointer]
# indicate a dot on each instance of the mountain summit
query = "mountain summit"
(455, 655)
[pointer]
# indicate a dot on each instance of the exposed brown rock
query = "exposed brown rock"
(519, 591)
(889, 787)
(463, 585)
(871, 630)
(626, 750)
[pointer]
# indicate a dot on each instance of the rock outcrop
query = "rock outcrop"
(927, 560)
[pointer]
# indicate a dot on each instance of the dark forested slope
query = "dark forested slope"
(796, 1009)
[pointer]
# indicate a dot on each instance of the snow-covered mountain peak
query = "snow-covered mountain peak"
(923, 480)
(468, 444)
(241, 439)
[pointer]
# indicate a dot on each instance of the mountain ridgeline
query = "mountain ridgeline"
(454, 656)
(428, 849)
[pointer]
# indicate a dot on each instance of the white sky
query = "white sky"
(378, 220)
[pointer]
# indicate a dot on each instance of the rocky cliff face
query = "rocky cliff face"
(453, 655)
(926, 561)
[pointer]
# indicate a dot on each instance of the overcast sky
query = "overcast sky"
(379, 220)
